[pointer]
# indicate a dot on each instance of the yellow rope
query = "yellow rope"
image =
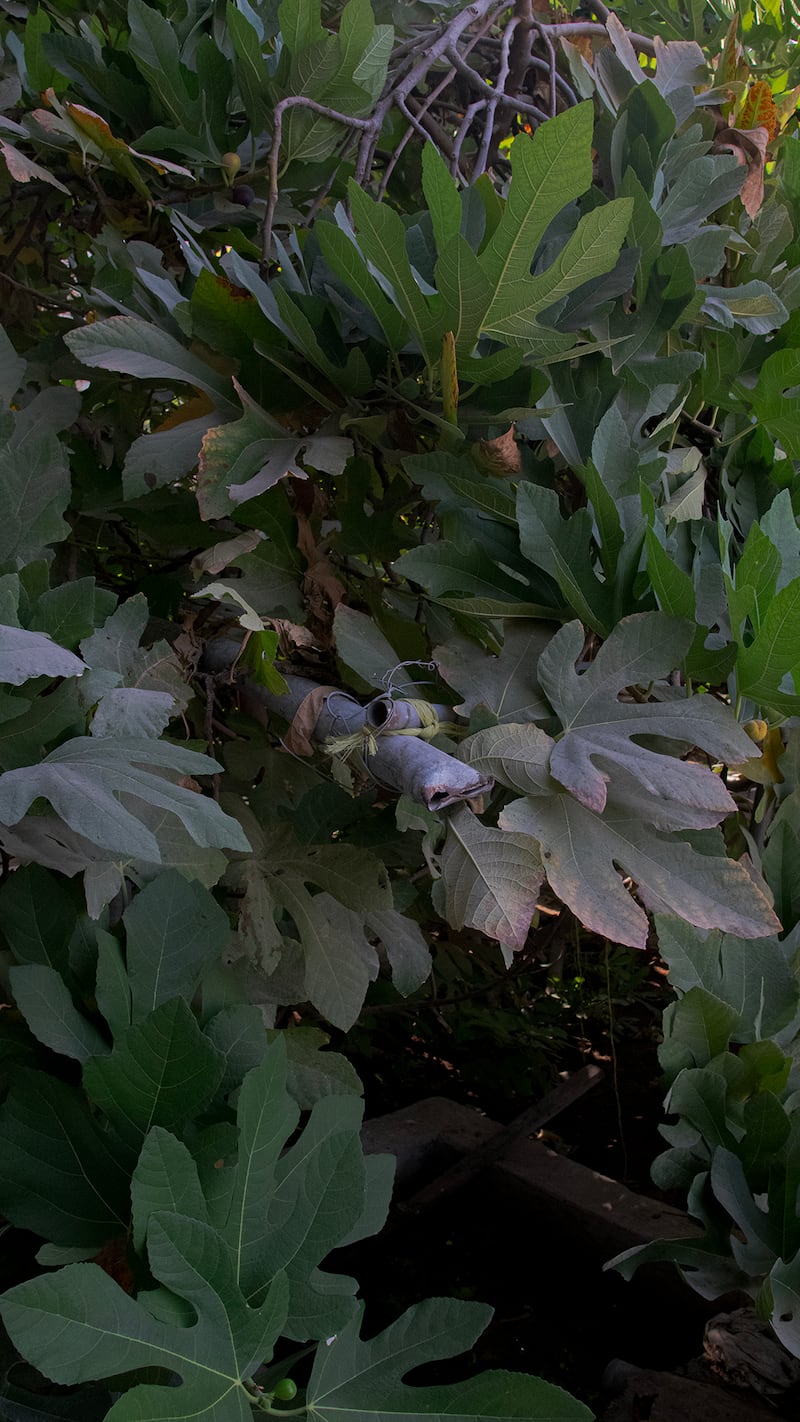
(365, 739)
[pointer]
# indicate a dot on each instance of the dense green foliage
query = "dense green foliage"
(500, 428)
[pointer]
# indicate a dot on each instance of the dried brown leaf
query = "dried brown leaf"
(299, 737)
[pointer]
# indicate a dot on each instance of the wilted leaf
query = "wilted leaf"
(215, 559)
(757, 110)
(24, 170)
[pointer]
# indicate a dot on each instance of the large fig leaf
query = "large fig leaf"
(504, 684)
(364, 1381)
(275, 1209)
(336, 959)
(597, 724)
(160, 1072)
(59, 1172)
(518, 756)
(174, 929)
(489, 880)
(78, 1325)
(45, 1002)
(117, 660)
(86, 778)
(35, 479)
(324, 1185)
(491, 292)
(582, 852)
(128, 344)
(27, 654)
(759, 985)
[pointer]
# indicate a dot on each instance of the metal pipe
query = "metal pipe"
(407, 764)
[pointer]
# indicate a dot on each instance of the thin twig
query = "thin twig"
(492, 105)
(291, 102)
(418, 56)
(585, 29)
(551, 52)
(394, 160)
(464, 128)
(479, 10)
(38, 297)
(508, 101)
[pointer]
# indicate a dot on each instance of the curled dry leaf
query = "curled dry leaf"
(299, 737)
(758, 110)
(215, 559)
(291, 637)
(748, 147)
(322, 589)
(499, 457)
(23, 169)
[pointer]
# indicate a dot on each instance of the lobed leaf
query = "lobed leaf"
(489, 880)
(78, 1325)
(86, 779)
(364, 1382)
(584, 853)
(598, 725)
(162, 1071)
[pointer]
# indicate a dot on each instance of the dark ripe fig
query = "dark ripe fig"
(243, 194)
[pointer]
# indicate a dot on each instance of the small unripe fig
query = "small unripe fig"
(285, 1390)
(231, 163)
